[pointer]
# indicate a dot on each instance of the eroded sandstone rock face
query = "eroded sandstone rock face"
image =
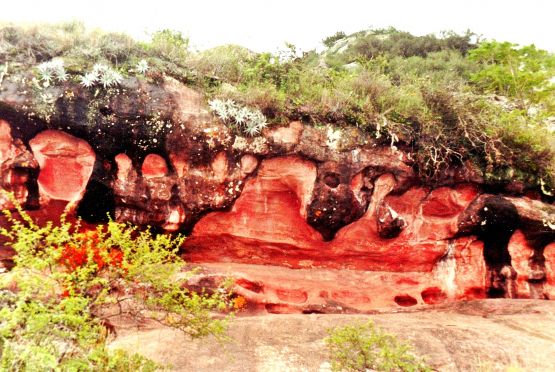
(17, 169)
(304, 220)
(65, 163)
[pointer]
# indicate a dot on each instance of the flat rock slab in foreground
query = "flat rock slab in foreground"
(485, 335)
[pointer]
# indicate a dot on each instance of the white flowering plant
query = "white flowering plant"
(142, 66)
(101, 75)
(250, 121)
(51, 71)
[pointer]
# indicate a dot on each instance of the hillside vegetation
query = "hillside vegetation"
(449, 100)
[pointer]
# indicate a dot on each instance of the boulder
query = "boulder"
(66, 164)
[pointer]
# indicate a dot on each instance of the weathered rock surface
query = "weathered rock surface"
(276, 289)
(491, 335)
(17, 167)
(65, 163)
(321, 201)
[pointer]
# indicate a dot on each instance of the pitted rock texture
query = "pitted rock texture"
(293, 197)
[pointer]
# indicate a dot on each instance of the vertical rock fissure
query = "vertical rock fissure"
(499, 219)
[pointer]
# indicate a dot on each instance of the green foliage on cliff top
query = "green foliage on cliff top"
(449, 100)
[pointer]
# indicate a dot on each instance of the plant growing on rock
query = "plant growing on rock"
(364, 347)
(57, 302)
(52, 70)
(142, 66)
(250, 121)
(437, 97)
(102, 75)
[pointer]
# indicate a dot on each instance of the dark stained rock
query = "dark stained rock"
(390, 224)
(295, 196)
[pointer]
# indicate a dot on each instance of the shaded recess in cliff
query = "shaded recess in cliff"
(291, 197)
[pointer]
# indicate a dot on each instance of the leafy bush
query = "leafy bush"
(169, 44)
(67, 284)
(525, 73)
(330, 40)
(363, 347)
(394, 43)
(117, 47)
(226, 62)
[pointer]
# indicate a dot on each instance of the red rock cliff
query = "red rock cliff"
(304, 222)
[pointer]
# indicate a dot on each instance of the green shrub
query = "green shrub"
(394, 43)
(66, 284)
(525, 73)
(447, 67)
(170, 45)
(363, 347)
(226, 62)
(330, 40)
(529, 149)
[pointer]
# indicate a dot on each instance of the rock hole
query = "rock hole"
(312, 311)
(97, 204)
(33, 198)
(474, 293)
(405, 300)
(255, 287)
(332, 180)
(292, 295)
(433, 295)
(105, 111)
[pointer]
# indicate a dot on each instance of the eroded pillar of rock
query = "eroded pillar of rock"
(531, 274)
(66, 164)
(130, 192)
(334, 203)
(549, 286)
(17, 170)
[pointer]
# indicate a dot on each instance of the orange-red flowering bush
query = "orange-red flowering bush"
(239, 303)
(87, 249)
(66, 283)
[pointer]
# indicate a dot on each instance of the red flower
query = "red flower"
(74, 257)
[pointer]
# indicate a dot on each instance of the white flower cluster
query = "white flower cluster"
(142, 66)
(101, 74)
(250, 121)
(333, 137)
(54, 69)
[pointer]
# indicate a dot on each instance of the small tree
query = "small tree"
(55, 304)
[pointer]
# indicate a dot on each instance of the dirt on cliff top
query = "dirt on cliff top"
(486, 335)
